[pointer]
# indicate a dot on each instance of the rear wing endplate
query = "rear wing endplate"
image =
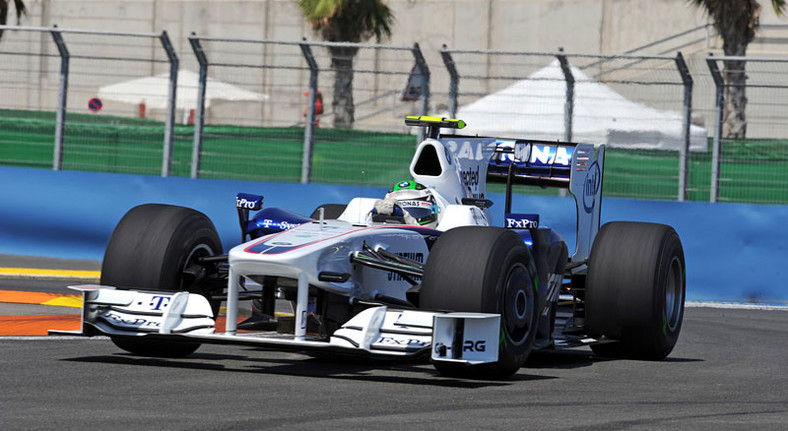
(576, 167)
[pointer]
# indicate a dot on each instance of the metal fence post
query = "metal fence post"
(454, 80)
(57, 157)
(717, 146)
(569, 103)
(425, 71)
(421, 64)
(199, 120)
(309, 130)
(684, 151)
(169, 131)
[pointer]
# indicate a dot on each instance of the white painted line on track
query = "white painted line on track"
(50, 338)
(736, 306)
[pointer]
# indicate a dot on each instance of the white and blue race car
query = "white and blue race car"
(417, 274)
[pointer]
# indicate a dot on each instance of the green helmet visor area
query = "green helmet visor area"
(407, 185)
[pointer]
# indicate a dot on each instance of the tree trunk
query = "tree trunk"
(3, 14)
(342, 104)
(734, 117)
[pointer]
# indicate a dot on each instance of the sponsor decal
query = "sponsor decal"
(521, 221)
(449, 156)
(391, 341)
(470, 176)
(137, 322)
(527, 154)
(478, 216)
(418, 257)
(159, 303)
(248, 202)
(550, 155)
(414, 204)
(591, 187)
(474, 346)
(522, 151)
(277, 224)
(466, 149)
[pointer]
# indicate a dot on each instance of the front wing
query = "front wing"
(467, 338)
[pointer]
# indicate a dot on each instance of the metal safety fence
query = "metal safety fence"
(639, 106)
(61, 73)
(308, 101)
(749, 160)
(301, 111)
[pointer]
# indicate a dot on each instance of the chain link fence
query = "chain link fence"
(266, 110)
(749, 160)
(88, 121)
(639, 106)
(31, 68)
(294, 125)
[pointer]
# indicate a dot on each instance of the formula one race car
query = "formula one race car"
(417, 274)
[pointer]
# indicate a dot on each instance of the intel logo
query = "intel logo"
(591, 187)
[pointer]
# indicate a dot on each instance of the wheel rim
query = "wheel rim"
(674, 294)
(519, 304)
(190, 265)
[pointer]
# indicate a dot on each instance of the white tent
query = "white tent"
(534, 108)
(153, 91)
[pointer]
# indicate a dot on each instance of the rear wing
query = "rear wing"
(577, 168)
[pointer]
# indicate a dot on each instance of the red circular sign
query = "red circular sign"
(95, 104)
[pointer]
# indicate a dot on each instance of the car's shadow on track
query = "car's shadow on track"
(562, 359)
(577, 358)
(357, 369)
(409, 373)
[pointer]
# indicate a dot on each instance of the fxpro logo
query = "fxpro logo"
(249, 202)
(521, 221)
(591, 187)
(402, 342)
(135, 322)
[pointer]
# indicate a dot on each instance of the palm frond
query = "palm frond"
(348, 20)
(779, 6)
(20, 10)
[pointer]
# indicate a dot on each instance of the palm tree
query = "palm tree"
(346, 21)
(736, 21)
(20, 9)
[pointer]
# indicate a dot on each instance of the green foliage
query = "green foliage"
(736, 16)
(348, 20)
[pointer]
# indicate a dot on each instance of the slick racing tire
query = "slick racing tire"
(156, 247)
(485, 270)
(635, 290)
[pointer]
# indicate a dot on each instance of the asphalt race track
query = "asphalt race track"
(729, 371)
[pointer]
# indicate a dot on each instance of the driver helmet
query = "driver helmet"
(417, 200)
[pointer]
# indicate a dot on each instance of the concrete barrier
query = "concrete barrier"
(734, 252)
